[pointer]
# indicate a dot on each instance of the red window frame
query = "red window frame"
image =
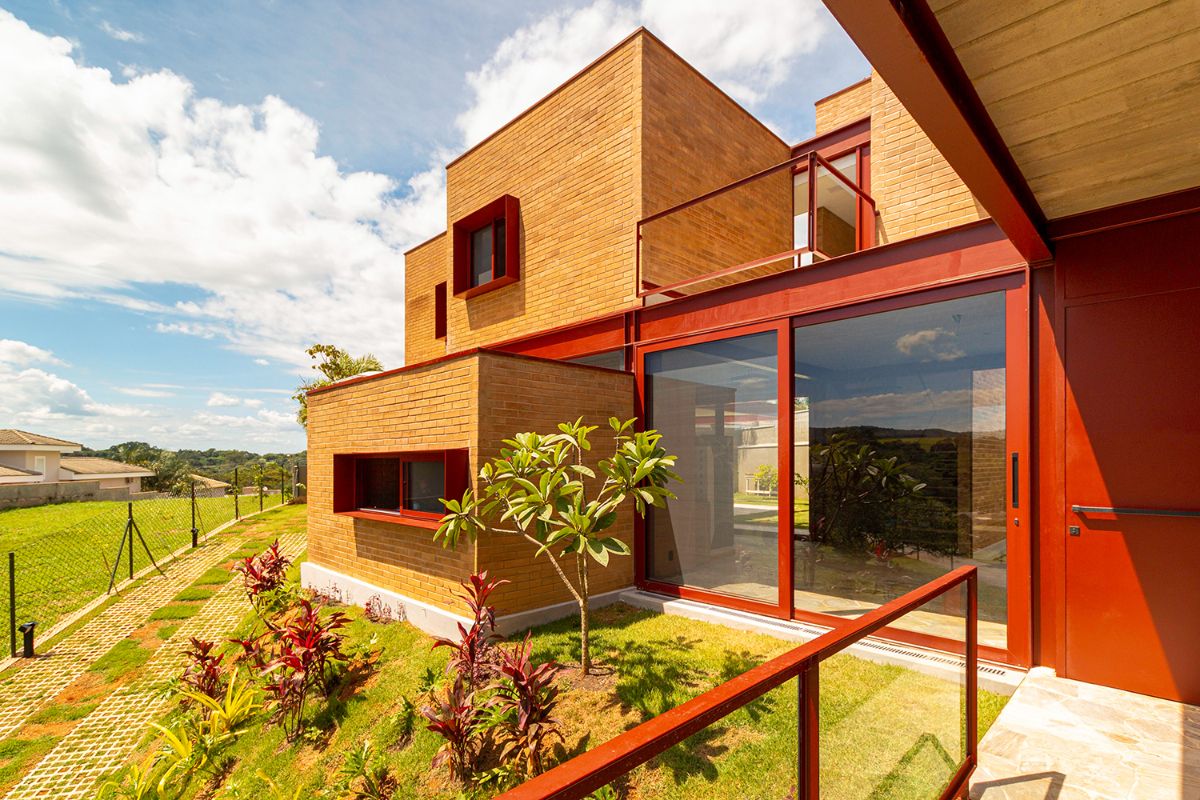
(345, 484)
(505, 208)
(439, 311)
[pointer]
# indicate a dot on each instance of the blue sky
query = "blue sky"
(241, 179)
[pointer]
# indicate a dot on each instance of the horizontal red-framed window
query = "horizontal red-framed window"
(486, 244)
(403, 488)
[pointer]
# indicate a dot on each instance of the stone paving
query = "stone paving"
(1059, 739)
(25, 691)
(104, 739)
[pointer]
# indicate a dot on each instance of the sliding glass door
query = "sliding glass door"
(883, 455)
(716, 404)
(900, 461)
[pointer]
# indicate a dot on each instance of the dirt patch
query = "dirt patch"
(34, 730)
(87, 686)
(147, 635)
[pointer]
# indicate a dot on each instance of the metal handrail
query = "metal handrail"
(601, 765)
(1136, 512)
(811, 159)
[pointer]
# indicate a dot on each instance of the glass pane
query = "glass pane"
(716, 406)
(800, 210)
(609, 359)
(892, 726)
(899, 459)
(424, 486)
(835, 229)
(481, 256)
(500, 251)
(378, 484)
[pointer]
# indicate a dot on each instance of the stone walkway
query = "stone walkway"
(104, 739)
(25, 691)
(1059, 739)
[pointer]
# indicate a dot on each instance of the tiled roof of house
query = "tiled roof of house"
(13, 472)
(91, 465)
(208, 483)
(14, 436)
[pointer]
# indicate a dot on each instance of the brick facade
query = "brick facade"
(425, 266)
(844, 106)
(473, 402)
(915, 190)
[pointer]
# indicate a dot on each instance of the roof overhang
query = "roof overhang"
(40, 448)
(1061, 118)
(98, 476)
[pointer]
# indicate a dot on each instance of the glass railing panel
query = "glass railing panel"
(893, 720)
(836, 218)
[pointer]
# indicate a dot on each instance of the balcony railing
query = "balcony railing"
(926, 736)
(791, 215)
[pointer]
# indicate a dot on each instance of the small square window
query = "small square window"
(486, 255)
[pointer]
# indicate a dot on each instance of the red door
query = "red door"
(1133, 494)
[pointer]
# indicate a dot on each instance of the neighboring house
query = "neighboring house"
(210, 487)
(1016, 328)
(33, 455)
(110, 474)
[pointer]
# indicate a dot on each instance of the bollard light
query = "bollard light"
(26, 630)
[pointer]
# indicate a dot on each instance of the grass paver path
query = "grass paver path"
(104, 739)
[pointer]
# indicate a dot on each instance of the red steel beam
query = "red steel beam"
(902, 40)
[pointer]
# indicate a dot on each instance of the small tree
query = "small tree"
(537, 485)
(335, 365)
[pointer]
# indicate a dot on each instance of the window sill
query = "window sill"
(490, 286)
(409, 520)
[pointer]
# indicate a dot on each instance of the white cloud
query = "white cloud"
(109, 183)
(138, 391)
(120, 34)
(745, 48)
(222, 400)
(937, 344)
(262, 362)
(22, 353)
(30, 396)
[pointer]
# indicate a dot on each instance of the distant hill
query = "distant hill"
(211, 463)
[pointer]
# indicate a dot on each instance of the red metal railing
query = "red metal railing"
(650, 283)
(600, 766)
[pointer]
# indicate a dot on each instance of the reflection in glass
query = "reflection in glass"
(716, 405)
(900, 460)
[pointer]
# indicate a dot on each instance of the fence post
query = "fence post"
(194, 531)
(282, 494)
(237, 490)
(130, 529)
(12, 603)
(261, 479)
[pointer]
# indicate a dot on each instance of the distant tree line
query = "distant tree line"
(172, 468)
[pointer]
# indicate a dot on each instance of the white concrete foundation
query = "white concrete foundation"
(429, 618)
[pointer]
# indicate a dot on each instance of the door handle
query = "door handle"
(1135, 512)
(1016, 480)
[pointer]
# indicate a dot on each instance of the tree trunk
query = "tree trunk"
(585, 653)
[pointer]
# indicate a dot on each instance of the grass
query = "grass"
(175, 611)
(65, 552)
(18, 755)
(886, 731)
(196, 593)
(217, 576)
(125, 657)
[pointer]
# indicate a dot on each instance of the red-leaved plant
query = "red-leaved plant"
(525, 704)
(204, 674)
(454, 716)
(263, 573)
(307, 649)
(474, 656)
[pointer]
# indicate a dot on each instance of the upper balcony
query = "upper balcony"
(788, 216)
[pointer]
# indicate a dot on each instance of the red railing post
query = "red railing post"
(808, 724)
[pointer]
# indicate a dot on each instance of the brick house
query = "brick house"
(636, 243)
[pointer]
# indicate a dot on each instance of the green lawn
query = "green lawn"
(65, 552)
(886, 732)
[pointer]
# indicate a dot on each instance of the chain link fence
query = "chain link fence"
(68, 555)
